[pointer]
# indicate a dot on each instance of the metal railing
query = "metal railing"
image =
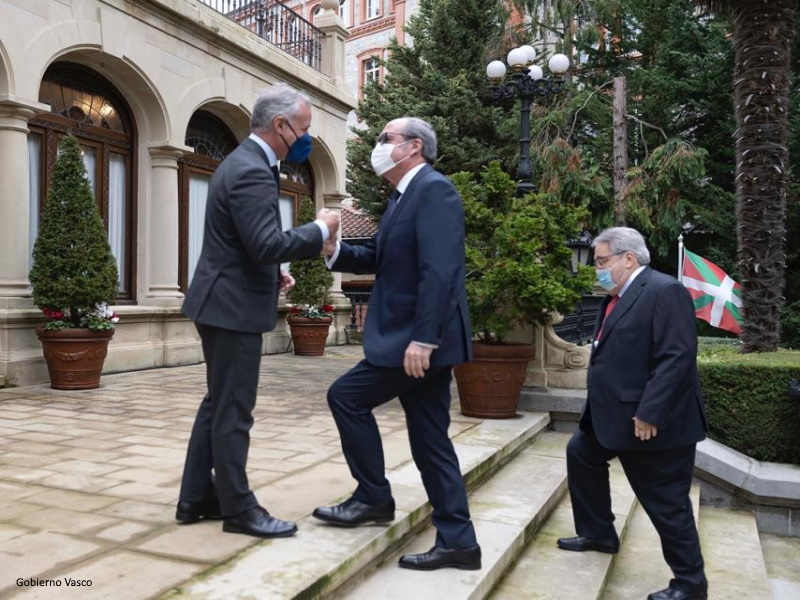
(578, 327)
(273, 21)
(359, 300)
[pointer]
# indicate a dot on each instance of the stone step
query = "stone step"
(732, 551)
(506, 511)
(564, 405)
(782, 559)
(320, 558)
(639, 568)
(543, 571)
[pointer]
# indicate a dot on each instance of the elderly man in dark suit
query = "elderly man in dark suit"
(233, 299)
(417, 328)
(644, 406)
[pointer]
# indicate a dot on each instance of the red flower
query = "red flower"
(294, 310)
(52, 313)
(327, 308)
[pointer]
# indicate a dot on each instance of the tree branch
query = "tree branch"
(589, 97)
(641, 122)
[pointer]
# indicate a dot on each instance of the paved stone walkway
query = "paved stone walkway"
(89, 480)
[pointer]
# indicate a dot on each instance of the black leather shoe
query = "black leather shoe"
(192, 512)
(259, 523)
(468, 559)
(351, 512)
(582, 544)
(674, 593)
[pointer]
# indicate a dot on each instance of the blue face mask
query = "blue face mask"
(605, 280)
(300, 150)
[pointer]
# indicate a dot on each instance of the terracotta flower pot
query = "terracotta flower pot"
(74, 357)
(489, 386)
(309, 335)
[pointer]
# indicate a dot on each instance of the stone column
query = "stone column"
(340, 301)
(15, 199)
(334, 202)
(334, 35)
(162, 227)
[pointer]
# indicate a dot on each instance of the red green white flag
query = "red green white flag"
(717, 297)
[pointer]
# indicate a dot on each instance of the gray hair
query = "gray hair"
(624, 239)
(278, 100)
(423, 131)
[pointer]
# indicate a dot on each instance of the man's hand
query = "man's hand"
(417, 360)
(332, 219)
(644, 431)
(329, 247)
(287, 282)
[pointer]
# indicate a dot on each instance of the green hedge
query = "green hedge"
(747, 400)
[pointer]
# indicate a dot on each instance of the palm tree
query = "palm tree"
(762, 35)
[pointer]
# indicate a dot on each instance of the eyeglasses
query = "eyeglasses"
(292, 128)
(387, 136)
(602, 261)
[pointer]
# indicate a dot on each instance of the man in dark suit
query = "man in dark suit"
(416, 329)
(233, 299)
(644, 406)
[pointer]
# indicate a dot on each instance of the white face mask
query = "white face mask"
(382, 161)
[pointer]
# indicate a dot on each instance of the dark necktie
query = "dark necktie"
(391, 204)
(609, 307)
(277, 174)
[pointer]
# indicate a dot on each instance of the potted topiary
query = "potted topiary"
(310, 311)
(74, 277)
(518, 273)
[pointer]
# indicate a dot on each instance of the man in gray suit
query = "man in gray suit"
(233, 299)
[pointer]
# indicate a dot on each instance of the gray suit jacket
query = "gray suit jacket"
(235, 284)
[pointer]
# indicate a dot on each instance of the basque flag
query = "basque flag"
(717, 297)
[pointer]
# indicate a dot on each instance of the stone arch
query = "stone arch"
(209, 95)
(82, 42)
(149, 111)
(324, 167)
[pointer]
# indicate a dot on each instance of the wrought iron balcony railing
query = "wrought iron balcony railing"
(276, 23)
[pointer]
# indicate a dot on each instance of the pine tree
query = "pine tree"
(440, 78)
(313, 280)
(74, 274)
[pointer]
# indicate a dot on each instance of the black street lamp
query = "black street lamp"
(527, 82)
(581, 247)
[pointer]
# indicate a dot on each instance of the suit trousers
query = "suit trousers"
(661, 482)
(221, 434)
(426, 402)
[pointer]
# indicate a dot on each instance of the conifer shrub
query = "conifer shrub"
(517, 257)
(74, 275)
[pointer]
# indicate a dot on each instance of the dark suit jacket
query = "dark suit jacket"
(235, 285)
(419, 292)
(645, 365)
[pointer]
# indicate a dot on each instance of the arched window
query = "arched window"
(212, 141)
(85, 104)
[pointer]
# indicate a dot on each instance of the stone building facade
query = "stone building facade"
(157, 92)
